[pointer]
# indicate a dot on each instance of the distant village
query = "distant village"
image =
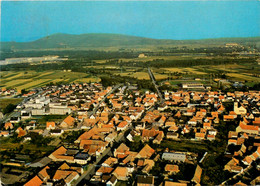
(125, 135)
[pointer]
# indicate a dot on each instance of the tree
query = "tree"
(9, 108)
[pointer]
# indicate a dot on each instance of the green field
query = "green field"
(134, 68)
(6, 101)
(31, 79)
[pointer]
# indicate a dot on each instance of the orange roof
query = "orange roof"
(202, 135)
(248, 127)
(43, 173)
(172, 168)
(150, 133)
(232, 113)
(122, 148)
(34, 182)
(228, 117)
(51, 123)
(21, 133)
(105, 170)
(206, 124)
(122, 124)
(61, 174)
(69, 120)
(197, 175)
(120, 171)
(70, 177)
(110, 161)
(8, 125)
(64, 166)
(170, 183)
(146, 152)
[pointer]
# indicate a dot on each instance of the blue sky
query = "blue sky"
(30, 20)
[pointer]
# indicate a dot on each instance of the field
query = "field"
(247, 72)
(31, 79)
(6, 101)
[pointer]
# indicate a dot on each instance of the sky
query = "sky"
(30, 20)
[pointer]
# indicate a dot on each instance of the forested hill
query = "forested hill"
(69, 41)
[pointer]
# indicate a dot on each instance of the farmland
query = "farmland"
(31, 79)
(166, 66)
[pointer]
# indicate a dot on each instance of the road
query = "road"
(91, 168)
(155, 85)
(98, 105)
(238, 174)
(7, 117)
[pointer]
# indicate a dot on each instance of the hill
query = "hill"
(69, 41)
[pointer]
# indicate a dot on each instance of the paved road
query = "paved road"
(91, 169)
(7, 117)
(110, 92)
(155, 85)
(238, 174)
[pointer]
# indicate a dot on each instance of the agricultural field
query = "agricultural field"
(31, 79)
(248, 73)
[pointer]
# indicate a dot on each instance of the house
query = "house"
(20, 132)
(153, 134)
(50, 125)
(112, 181)
(197, 175)
(122, 126)
(82, 158)
(4, 133)
(171, 183)
(250, 129)
(199, 136)
(40, 162)
(146, 165)
(110, 137)
(104, 170)
(61, 155)
(145, 180)
(68, 122)
(121, 173)
(8, 125)
(232, 166)
(93, 147)
(145, 152)
(232, 134)
(172, 169)
(239, 110)
(43, 174)
(56, 132)
(67, 175)
(35, 181)
(211, 137)
(228, 118)
(172, 135)
(174, 156)
(122, 151)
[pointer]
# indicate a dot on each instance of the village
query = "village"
(124, 136)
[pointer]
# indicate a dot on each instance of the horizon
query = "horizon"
(132, 36)
(28, 21)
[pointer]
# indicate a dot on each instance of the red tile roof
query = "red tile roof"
(35, 181)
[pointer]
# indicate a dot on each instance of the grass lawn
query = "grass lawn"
(55, 118)
(190, 146)
(6, 101)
